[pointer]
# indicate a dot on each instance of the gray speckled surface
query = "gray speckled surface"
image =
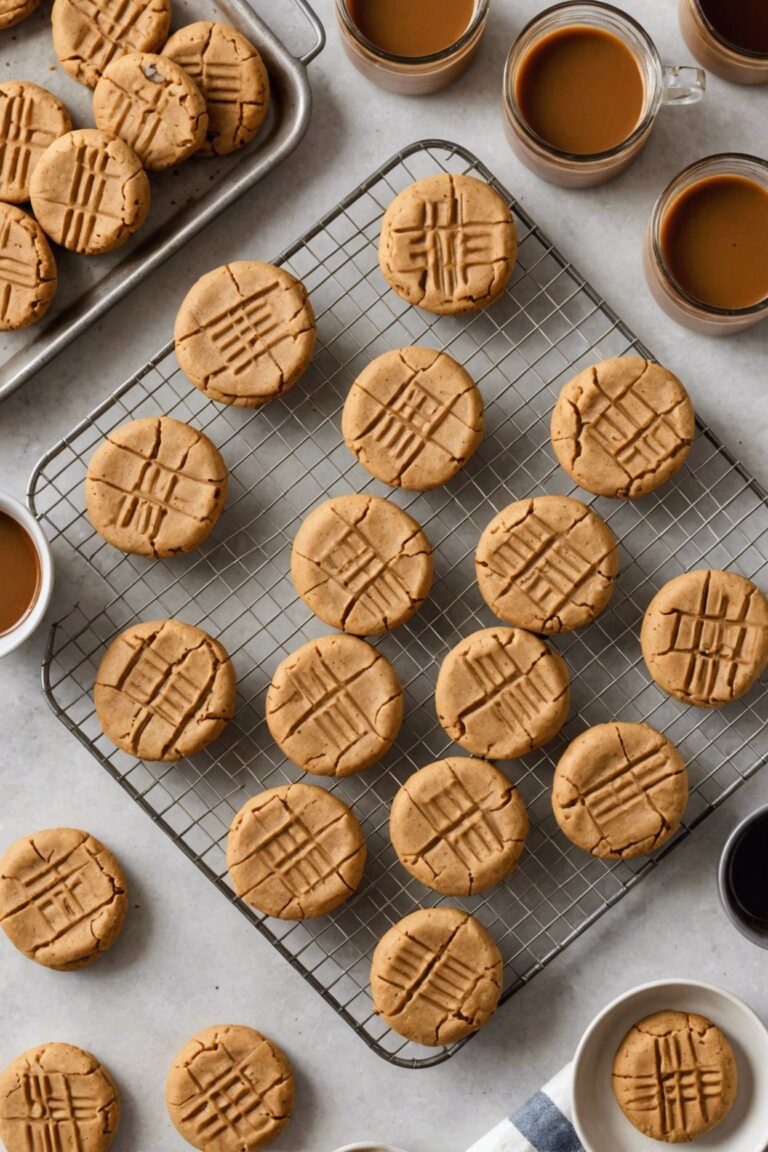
(186, 958)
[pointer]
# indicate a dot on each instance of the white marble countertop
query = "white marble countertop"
(186, 958)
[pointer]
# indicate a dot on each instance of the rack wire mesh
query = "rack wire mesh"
(287, 457)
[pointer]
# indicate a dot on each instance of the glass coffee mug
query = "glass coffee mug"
(26, 574)
(607, 63)
(729, 37)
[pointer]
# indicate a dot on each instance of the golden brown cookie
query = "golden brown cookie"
(436, 976)
(89, 34)
(705, 637)
(448, 244)
(295, 852)
(89, 191)
(14, 11)
(31, 118)
(620, 790)
(28, 276)
(164, 690)
(231, 75)
(155, 487)
(335, 706)
(548, 564)
(502, 692)
(458, 825)
(361, 564)
(623, 427)
(230, 1090)
(413, 418)
(60, 1098)
(675, 1076)
(245, 333)
(150, 102)
(62, 898)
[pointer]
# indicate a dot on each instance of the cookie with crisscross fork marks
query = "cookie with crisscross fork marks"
(675, 1076)
(89, 34)
(14, 11)
(57, 1098)
(230, 1090)
(31, 118)
(28, 275)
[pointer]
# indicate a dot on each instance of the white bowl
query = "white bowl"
(29, 623)
(600, 1123)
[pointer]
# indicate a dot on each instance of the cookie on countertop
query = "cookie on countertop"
(361, 564)
(623, 427)
(675, 1076)
(31, 118)
(501, 692)
(89, 34)
(413, 418)
(231, 75)
(448, 244)
(458, 825)
(14, 11)
(155, 487)
(245, 333)
(28, 276)
(164, 689)
(295, 852)
(436, 976)
(704, 637)
(335, 706)
(620, 790)
(236, 1069)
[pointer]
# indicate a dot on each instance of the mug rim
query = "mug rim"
(478, 16)
(746, 54)
(29, 622)
(752, 934)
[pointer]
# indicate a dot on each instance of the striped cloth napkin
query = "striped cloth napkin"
(542, 1124)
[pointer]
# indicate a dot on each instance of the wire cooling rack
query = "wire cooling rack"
(287, 457)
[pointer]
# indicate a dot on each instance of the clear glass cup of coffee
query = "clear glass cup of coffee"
(729, 37)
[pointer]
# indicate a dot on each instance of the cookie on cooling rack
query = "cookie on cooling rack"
(28, 276)
(87, 37)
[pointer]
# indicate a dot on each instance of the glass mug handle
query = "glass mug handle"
(682, 85)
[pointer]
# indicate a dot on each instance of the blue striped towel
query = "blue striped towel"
(542, 1124)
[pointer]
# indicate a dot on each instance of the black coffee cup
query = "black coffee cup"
(743, 877)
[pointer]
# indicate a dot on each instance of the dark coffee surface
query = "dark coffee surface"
(743, 23)
(19, 572)
(748, 872)
(412, 27)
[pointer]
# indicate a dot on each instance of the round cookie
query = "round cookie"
(88, 36)
(14, 11)
(448, 244)
(548, 564)
(295, 852)
(361, 564)
(620, 790)
(458, 825)
(623, 427)
(164, 690)
(155, 487)
(245, 333)
(704, 637)
(436, 976)
(28, 275)
(150, 102)
(231, 75)
(502, 692)
(31, 118)
(89, 191)
(335, 706)
(675, 1076)
(56, 1093)
(261, 1099)
(413, 418)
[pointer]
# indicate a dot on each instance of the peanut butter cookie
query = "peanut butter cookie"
(89, 34)
(31, 118)
(14, 11)
(28, 277)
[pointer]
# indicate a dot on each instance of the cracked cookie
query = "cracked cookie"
(620, 790)
(89, 34)
(623, 427)
(231, 75)
(244, 1117)
(150, 102)
(361, 564)
(164, 690)
(458, 825)
(28, 276)
(57, 1096)
(245, 333)
(62, 898)
(502, 692)
(295, 852)
(548, 564)
(675, 1076)
(448, 244)
(89, 191)
(704, 637)
(335, 706)
(14, 11)
(31, 118)
(155, 487)
(436, 976)
(413, 418)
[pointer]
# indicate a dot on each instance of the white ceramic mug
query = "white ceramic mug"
(28, 623)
